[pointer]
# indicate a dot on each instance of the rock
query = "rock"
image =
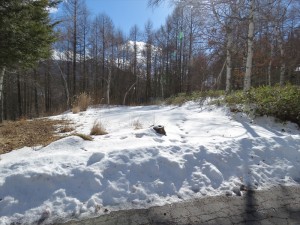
(243, 188)
(237, 191)
(160, 130)
(228, 193)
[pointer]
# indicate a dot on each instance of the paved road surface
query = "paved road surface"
(278, 205)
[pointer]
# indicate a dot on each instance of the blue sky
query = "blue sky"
(126, 13)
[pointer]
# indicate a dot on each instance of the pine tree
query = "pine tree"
(26, 34)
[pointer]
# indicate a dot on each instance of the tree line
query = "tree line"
(203, 45)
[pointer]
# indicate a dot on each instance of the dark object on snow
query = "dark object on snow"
(237, 191)
(228, 193)
(243, 188)
(160, 129)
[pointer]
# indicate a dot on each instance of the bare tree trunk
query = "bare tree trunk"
(229, 36)
(19, 95)
(220, 75)
(282, 53)
(126, 93)
(74, 47)
(229, 59)
(162, 86)
(270, 64)
(189, 78)
(108, 85)
(2, 110)
(2, 73)
(36, 103)
(282, 74)
(247, 79)
(65, 83)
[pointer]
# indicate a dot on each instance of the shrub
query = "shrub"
(236, 97)
(81, 103)
(181, 98)
(178, 99)
(98, 129)
(280, 102)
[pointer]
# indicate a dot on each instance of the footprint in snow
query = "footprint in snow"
(94, 158)
(213, 173)
(139, 135)
(158, 140)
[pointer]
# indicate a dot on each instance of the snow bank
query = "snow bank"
(207, 151)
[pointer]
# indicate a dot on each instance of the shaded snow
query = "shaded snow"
(207, 151)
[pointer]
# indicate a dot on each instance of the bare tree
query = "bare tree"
(73, 10)
(149, 45)
(83, 29)
(134, 35)
(228, 14)
(247, 79)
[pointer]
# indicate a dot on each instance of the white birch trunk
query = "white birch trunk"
(282, 53)
(247, 79)
(282, 74)
(229, 60)
(1, 82)
(270, 64)
(65, 83)
(126, 93)
(229, 46)
(220, 75)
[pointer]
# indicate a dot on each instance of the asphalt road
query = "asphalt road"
(277, 205)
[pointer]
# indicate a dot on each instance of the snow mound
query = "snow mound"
(207, 151)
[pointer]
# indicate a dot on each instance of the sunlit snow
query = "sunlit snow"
(207, 151)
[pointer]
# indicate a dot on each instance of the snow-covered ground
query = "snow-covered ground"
(207, 151)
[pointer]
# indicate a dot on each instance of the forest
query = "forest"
(204, 45)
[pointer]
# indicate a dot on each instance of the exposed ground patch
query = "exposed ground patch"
(17, 134)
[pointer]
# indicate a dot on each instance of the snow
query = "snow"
(207, 151)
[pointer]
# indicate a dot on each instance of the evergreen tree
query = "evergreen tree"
(26, 33)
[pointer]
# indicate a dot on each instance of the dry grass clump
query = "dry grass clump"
(81, 103)
(18, 134)
(98, 129)
(66, 129)
(75, 109)
(137, 125)
(84, 136)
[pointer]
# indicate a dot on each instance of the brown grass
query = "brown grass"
(137, 125)
(75, 109)
(98, 129)
(14, 135)
(81, 103)
(66, 129)
(84, 136)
